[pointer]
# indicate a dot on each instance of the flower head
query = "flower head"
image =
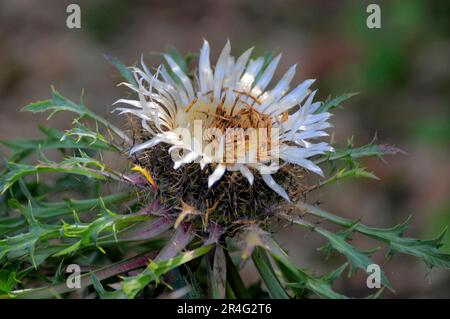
(227, 118)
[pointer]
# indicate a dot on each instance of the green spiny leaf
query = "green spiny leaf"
(44, 211)
(59, 103)
(368, 150)
(426, 250)
(124, 71)
(298, 279)
(16, 171)
(22, 148)
(357, 258)
(8, 280)
(133, 285)
(330, 103)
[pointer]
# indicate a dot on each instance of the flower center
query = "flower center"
(243, 128)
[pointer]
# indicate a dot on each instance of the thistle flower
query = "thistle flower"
(213, 230)
(248, 127)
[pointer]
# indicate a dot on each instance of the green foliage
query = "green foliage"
(332, 103)
(131, 286)
(426, 250)
(357, 258)
(298, 279)
(262, 263)
(352, 154)
(441, 216)
(46, 211)
(59, 103)
(217, 273)
(41, 232)
(74, 165)
(8, 280)
(54, 139)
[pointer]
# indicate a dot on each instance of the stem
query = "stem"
(234, 279)
(118, 132)
(111, 127)
(341, 221)
(262, 263)
(86, 279)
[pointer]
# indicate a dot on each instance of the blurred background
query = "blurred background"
(401, 71)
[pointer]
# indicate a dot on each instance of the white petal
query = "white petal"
(220, 70)
(188, 158)
(138, 113)
(179, 93)
(280, 89)
(305, 109)
(216, 175)
(268, 179)
(294, 97)
(247, 173)
(134, 103)
(150, 143)
(203, 163)
(305, 152)
(250, 74)
(180, 74)
(299, 118)
(240, 65)
(229, 72)
(267, 75)
(309, 165)
(316, 126)
(313, 108)
(204, 69)
(308, 135)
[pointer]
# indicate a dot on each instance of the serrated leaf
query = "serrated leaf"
(23, 245)
(22, 148)
(59, 103)
(132, 285)
(8, 280)
(16, 171)
(426, 250)
(94, 140)
(330, 103)
(343, 174)
(88, 234)
(318, 285)
(368, 150)
(357, 258)
(299, 279)
(44, 211)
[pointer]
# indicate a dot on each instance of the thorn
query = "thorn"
(146, 174)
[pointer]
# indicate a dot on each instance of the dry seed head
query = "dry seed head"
(230, 200)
